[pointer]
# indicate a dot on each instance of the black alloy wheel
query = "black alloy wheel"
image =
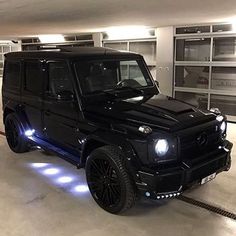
(109, 181)
(14, 134)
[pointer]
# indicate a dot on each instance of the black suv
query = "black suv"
(100, 109)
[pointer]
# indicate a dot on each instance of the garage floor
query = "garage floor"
(35, 201)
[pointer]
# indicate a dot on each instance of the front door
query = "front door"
(32, 94)
(61, 110)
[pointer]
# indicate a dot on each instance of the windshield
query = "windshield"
(112, 75)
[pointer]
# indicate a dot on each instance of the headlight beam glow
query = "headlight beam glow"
(161, 147)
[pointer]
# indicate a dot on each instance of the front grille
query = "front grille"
(191, 145)
(169, 183)
(203, 171)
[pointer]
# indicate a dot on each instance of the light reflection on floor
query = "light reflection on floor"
(71, 183)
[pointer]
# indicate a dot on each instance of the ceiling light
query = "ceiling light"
(51, 38)
(128, 32)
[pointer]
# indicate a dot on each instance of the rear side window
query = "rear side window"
(12, 74)
(33, 77)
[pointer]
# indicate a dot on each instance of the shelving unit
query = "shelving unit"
(82, 40)
(145, 47)
(4, 48)
(205, 67)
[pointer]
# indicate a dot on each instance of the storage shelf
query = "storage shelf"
(220, 49)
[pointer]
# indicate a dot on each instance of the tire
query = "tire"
(109, 181)
(15, 134)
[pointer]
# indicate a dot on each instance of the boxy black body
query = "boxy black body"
(55, 100)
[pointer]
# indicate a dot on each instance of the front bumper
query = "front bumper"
(172, 182)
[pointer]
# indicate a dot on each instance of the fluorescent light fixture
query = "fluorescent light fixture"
(6, 41)
(128, 32)
(51, 171)
(51, 38)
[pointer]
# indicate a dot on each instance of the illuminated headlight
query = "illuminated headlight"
(223, 127)
(161, 147)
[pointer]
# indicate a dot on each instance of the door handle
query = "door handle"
(47, 113)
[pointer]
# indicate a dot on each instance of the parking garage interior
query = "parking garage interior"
(189, 48)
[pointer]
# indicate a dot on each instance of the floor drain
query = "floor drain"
(208, 207)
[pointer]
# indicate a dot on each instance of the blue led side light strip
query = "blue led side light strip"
(70, 183)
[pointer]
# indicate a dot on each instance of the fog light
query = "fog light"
(161, 147)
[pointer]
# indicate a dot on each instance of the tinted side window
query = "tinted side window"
(33, 77)
(59, 78)
(12, 74)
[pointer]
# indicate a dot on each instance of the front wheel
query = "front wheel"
(109, 181)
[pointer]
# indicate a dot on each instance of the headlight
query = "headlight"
(161, 147)
(223, 127)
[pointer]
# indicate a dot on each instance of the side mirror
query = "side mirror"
(65, 95)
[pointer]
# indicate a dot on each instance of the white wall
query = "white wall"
(165, 49)
(14, 47)
(1, 124)
(97, 38)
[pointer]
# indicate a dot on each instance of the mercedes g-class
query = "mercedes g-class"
(100, 109)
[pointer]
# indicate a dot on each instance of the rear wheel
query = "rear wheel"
(15, 134)
(109, 181)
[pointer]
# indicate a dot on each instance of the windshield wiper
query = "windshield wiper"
(138, 91)
(109, 93)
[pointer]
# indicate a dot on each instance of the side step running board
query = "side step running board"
(75, 160)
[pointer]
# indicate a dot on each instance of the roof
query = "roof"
(70, 52)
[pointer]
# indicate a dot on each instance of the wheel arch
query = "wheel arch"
(6, 112)
(19, 113)
(120, 142)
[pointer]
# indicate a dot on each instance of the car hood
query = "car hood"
(156, 111)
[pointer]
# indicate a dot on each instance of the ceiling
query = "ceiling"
(31, 17)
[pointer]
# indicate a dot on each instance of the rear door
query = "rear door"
(11, 84)
(61, 116)
(33, 77)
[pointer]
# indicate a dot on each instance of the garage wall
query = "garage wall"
(165, 48)
(1, 125)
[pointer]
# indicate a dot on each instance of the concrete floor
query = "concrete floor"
(34, 202)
